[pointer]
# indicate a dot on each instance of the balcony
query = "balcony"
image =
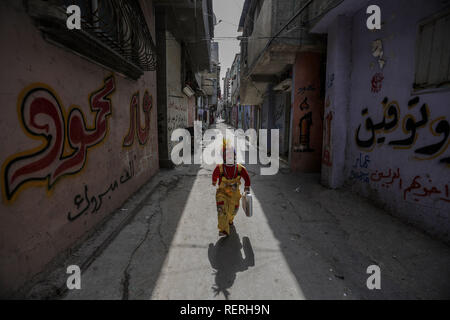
(114, 35)
(191, 22)
(267, 51)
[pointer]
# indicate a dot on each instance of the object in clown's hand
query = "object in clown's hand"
(247, 203)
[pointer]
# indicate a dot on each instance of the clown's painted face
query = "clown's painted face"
(229, 156)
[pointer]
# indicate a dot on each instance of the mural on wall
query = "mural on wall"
(326, 158)
(135, 128)
(410, 124)
(419, 189)
(66, 140)
(83, 201)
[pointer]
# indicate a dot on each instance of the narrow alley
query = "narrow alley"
(110, 111)
(303, 242)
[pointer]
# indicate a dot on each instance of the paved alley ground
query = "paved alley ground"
(303, 242)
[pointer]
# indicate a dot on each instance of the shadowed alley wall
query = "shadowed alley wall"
(80, 141)
(384, 135)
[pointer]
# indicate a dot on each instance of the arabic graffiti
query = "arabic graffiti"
(360, 176)
(391, 112)
(326, 159)
(391, 176)
(135, 128)
(302, 90)
(439, 127)
(427, 192)
(388, 178)
(362, 162)
(97, 201)
(359, 169)
(43, 118)
(177, 117)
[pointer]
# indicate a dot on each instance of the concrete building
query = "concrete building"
(357, 105)
(82, 127)
(211, 84)
(386, 120)
(89, 114)
(227, 96)
(281, 77)
(235, 91)
(183, 64)
(244, 116)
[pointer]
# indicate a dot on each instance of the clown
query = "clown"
(228, 193)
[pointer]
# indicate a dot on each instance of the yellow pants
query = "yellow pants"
(227, 202)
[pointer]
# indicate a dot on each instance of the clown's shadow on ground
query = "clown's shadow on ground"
(226, 258)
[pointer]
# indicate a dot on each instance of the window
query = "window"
(114, 33)
(433, 53)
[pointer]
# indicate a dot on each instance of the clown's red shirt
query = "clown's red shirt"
(229, 173)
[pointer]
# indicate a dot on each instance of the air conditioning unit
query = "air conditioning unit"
(188, 91)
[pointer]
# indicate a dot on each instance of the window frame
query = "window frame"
(427, 88)
(95, 43)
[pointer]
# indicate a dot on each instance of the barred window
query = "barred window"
(114, 33)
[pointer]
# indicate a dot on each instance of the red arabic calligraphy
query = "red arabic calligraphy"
(43, 118)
